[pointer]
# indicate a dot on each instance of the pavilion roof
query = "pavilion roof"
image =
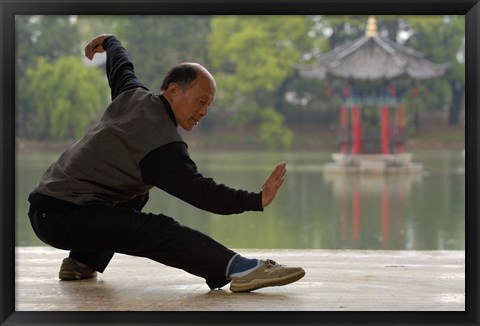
(372, 57)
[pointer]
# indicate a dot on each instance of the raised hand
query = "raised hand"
(273, 183)
(95, 46)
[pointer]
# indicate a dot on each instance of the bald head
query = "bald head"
(190, 90)
(184, 74)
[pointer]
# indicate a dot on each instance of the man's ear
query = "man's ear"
(172, 91)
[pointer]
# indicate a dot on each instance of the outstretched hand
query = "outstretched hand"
(95, 46)
(273, 183)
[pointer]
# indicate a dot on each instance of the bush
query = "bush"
(272, 132)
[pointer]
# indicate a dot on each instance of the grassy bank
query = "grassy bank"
(434, 135)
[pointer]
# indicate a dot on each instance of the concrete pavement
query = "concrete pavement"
(335, 280)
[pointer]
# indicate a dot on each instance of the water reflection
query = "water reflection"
(313, 210)
(385, 198)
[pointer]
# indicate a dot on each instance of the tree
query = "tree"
(253, 55)
(91, 26)
(49, 37)
(46, 36)
(442, 39)
(272, 133)
(156, 43)
(255, 52)
(67, 97)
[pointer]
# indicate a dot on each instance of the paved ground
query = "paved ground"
(335, 280)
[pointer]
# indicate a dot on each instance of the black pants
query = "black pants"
(94, 233)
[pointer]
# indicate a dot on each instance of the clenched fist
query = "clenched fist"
(95, 46)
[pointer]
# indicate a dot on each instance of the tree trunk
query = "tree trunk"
(458, 89)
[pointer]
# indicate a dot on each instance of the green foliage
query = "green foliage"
(252, 57)
(255, 52)
(441, 39)
(247, 114)
(272, 132)
(50, 37)
(156, 43)
(90, 26)
(45, 36)
(67, 96)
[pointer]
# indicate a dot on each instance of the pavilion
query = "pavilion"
(361, 64)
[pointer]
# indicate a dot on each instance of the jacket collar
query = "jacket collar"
(169, 109)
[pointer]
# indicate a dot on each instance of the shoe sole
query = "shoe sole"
(73, 276)
(257, 284)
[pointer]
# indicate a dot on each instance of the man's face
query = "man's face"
(191, 105)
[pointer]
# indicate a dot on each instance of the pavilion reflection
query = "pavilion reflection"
(372, 206)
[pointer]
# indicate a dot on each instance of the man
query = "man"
(89, 201)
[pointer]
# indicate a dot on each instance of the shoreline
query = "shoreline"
(435, 135)
(412, 145)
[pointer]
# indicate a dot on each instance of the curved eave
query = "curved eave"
(372, 58)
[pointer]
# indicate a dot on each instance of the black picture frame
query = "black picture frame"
(10, 8)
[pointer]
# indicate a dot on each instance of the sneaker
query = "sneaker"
(269, 273)
(74, 270)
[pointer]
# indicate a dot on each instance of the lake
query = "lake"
(313, 210)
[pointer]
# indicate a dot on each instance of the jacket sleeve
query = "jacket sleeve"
(171, 169)
(119, 68)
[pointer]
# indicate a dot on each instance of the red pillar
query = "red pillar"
(343, 127)
(400, 144)
(385, 217)
(400, 218)
(343, 222)
(356, 130)
(356, 216)
(385, 125)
